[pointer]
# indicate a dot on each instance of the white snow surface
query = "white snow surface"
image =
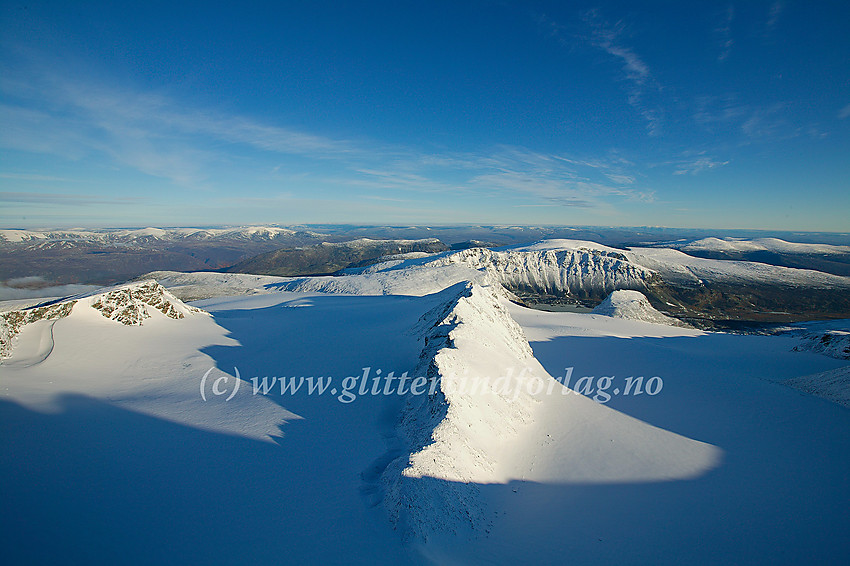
(207, 284)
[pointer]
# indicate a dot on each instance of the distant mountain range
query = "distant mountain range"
(822, 257)
(687, 277)
(106, 257)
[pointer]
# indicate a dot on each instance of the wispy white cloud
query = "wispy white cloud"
(147, 131)
(724, 31)
(775, 12)
(696, 166)
(745, 124)
(719, 111)
(558, 179)
(767, 122)
(65, 199)
(636, 71)
(621, 179)
(844, 112)
(767, 27)
(159, 136)
(34, 177)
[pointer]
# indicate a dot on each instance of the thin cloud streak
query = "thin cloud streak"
(697, 166)
(635, 70)
(773, 16)
(157, 136)
(725, 33)
(65, 199)
(34, 177)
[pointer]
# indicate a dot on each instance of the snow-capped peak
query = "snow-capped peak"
(632, 305)
(132, 304)
(129, 304)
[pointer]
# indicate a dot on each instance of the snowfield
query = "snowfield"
(132, 432)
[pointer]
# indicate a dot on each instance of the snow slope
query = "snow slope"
(675, 266)
(632, 305)
(114, 447)
(200, 285)
(415, 280)
(833, 385)
(134, 345)
(779, 495)
(678, 267)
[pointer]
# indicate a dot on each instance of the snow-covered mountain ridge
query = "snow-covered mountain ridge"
(580, 268)
(445, 434)
(494, 415)
(131, 304)
(70, 237)
(760, 244)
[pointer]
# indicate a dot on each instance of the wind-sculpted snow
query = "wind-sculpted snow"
(495, 416)
(450, 434)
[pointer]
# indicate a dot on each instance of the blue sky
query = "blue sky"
(680, 114)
